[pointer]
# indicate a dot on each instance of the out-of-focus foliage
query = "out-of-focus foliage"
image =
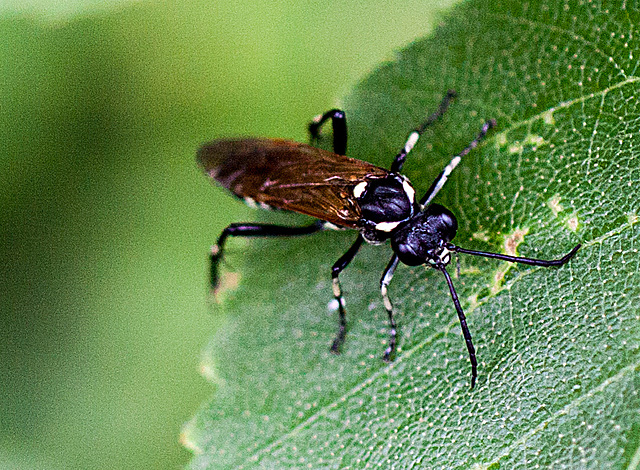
(105, 219)
(559, 348)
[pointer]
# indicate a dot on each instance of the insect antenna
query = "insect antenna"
(439, 182)
(463, 325)
(398, 161)
(516, 259)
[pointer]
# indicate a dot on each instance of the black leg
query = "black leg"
(463, 325)
(396, 166)
(254, 230)
(339, 124)
(439, 182)
(338, 267)
(517, 259)
(387, 275)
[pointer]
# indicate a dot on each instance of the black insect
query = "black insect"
(346, 193)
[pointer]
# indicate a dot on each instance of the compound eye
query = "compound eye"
(446, 223)
(449, 225)
(409, 253)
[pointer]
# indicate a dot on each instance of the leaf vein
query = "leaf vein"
(569, 103)
(324, 410)
(571, 34)
(635, 461)
(565, 410)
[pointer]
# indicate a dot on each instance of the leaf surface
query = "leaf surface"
(558, 348)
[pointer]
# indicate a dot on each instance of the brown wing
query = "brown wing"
(290, 175)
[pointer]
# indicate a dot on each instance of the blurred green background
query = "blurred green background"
(106, 220)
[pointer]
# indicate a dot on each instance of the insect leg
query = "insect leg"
(463, 325)
(517, 259)
(254, 230)
(396, 166)
(387, 275)
(339, 124)
(439, 182)
(337, 268)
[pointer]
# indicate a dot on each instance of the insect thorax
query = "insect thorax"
(385, 203)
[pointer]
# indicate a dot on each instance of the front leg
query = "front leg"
(387, 275)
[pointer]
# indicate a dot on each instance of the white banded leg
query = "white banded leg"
(337, 268)
(387, 275)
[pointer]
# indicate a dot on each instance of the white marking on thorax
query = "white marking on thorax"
(411, 193)
(359, 189)
(387, 226)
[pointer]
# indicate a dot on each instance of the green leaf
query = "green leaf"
(559, 348)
